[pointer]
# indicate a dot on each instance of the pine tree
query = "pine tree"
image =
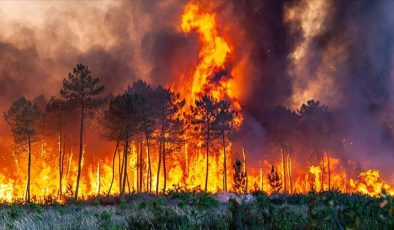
(239, 177)
(23, 116)
(275, 180)
(81, 90)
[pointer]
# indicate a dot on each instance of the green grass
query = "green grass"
(193, 210)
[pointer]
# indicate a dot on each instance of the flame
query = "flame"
(210, 75)
(185, 170)
(371, 183)
(186, 167)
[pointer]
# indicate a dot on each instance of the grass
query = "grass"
(198, 210)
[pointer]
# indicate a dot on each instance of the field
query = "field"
(188, 210)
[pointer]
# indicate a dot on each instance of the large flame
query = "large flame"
(210, 76)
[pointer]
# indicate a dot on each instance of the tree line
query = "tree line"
(141, 113)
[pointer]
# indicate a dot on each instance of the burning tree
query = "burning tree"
(81, 90)
(57, 118)
(203, 116)
(170, 125)
(148, 118)
(239, 177)
(23, 116)
(316, 126)
(225, 125)
(122, 121)
(275, 180)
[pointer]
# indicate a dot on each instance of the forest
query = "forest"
(195, 114)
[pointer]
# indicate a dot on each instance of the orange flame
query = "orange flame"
(186, 167)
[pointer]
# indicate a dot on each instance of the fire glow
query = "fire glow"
(186, 167)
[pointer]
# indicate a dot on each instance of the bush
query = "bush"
(15, 211)
(104, 221)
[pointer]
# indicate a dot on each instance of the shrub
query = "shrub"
(104, 221)
(15, 211)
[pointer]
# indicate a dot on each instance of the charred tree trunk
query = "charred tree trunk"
(207, 156)
(128, 183)
(64, 153)
(164, 166)
(289, 173)
(98, 178)
(284, 171)
(120, 169)
(322, 174)
(124, 164)
(113, 166)
(329, 172)
(80, 149)
(149, 176)
(224, 164)
(28, 169)
(141, 165)
(158, 170)
(60, 163)
(137, 177)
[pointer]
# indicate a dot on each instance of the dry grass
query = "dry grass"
(185, 210)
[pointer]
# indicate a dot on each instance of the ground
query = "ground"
(188, 210)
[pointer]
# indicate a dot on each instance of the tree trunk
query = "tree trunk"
(60, 163)
(262, 179)
(98, 178)
(329, 172)
(128, 182)
(124, 164)
(284, 171)
(120, 169)
(113, 166)
(289, 173)
(80, 150)
(28, 168)
(137, 177)
(63, 156)
(141, 164)
(207, 156)
(158, 169)
(149, 177)
(322, 174)
(164, 166)
(224, 164)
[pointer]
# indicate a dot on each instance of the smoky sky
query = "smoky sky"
(142, 39)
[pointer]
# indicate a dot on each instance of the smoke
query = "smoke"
(284, 53)
(343, 59)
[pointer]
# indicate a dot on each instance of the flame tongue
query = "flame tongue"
(210, 76)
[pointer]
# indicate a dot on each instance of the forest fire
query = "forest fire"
(185, 135)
